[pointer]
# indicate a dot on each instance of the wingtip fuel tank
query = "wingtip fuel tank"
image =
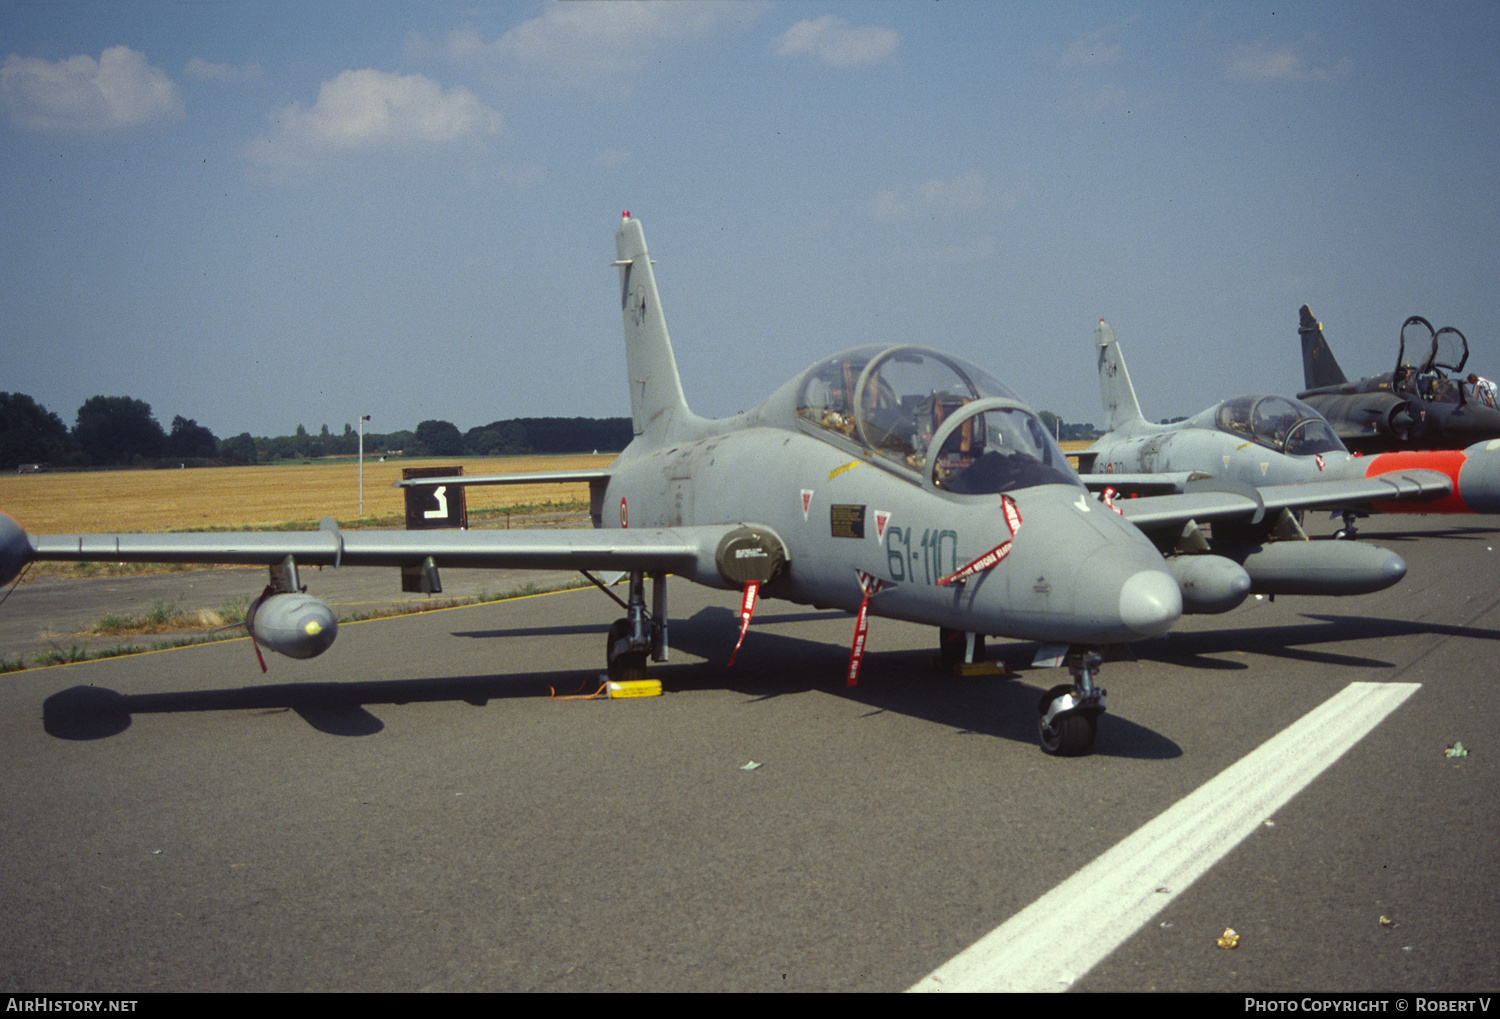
(15, 548)
(1475, 472)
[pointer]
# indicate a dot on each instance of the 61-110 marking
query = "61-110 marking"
(936, 554)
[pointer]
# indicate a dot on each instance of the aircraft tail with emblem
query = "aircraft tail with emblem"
(1121, 408)
(658, 408)
(1319, 369)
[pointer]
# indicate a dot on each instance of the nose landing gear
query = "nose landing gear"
(1070, 714)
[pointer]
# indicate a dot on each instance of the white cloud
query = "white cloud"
(81, 95)
(834, 42)
(890, 207)
(205, 71)
(1096, 49)
(1262, 62)
(1095, 100)
(587, 46)
(970, 192)
(1091, 51)
(978, 250)
(367, 109)
(962, 193)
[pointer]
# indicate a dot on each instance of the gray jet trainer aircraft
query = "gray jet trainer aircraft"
(1278, 451)
(892, 480)
(1426, 403)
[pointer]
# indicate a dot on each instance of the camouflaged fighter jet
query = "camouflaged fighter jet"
(1280, 453)
(887, 480)
(1426, 403)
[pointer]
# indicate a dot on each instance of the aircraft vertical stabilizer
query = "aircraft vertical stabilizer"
(657, 405)
(1319, 369)
(1121, 408)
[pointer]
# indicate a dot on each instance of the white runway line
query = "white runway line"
(1061, 936)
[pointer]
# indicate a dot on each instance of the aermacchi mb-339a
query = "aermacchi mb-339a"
(1277, 451)
(887, 480)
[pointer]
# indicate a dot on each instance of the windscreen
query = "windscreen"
(1287, 426)
(999, 449)
(892, 401)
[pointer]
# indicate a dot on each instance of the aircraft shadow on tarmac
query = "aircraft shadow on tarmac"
(1193, 649)
(1374, 529)
(770, 665)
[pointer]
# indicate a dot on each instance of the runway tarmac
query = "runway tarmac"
(413, 811)
(52, 615)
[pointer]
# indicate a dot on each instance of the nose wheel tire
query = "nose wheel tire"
(1069, 734)
(1070, 714)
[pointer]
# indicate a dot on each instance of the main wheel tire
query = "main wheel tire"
(624, 666)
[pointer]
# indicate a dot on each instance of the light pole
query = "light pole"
(362, 419)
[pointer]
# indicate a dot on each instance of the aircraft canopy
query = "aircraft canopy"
(935, 417)
(1437, 353)
(1285, 425)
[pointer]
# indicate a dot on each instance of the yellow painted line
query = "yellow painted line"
(352, 622)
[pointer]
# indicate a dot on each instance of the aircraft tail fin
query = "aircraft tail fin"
(657, 405)
(1121, 408)
(1319, 369)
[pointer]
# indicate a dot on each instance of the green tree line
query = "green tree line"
(118, 431)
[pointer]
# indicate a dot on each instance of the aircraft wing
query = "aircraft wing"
(1202, 502)
(1142, 484)
(684, 550)
(534, 478)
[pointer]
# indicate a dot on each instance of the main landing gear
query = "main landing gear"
(957, 647)
(1070, 714)
(640, 634)
(747, 557)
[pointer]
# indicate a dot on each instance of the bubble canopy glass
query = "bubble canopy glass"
(953, 426)
(1279, 423)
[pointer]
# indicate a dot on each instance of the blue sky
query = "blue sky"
(263, 214)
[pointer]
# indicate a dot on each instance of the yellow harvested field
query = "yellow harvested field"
(260, 496)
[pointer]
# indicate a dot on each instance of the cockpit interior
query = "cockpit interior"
(933, 418)
(1279, 423)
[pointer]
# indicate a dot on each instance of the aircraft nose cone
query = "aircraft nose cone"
(1150, 602)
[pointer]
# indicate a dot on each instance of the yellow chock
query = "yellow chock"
(634, 688)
